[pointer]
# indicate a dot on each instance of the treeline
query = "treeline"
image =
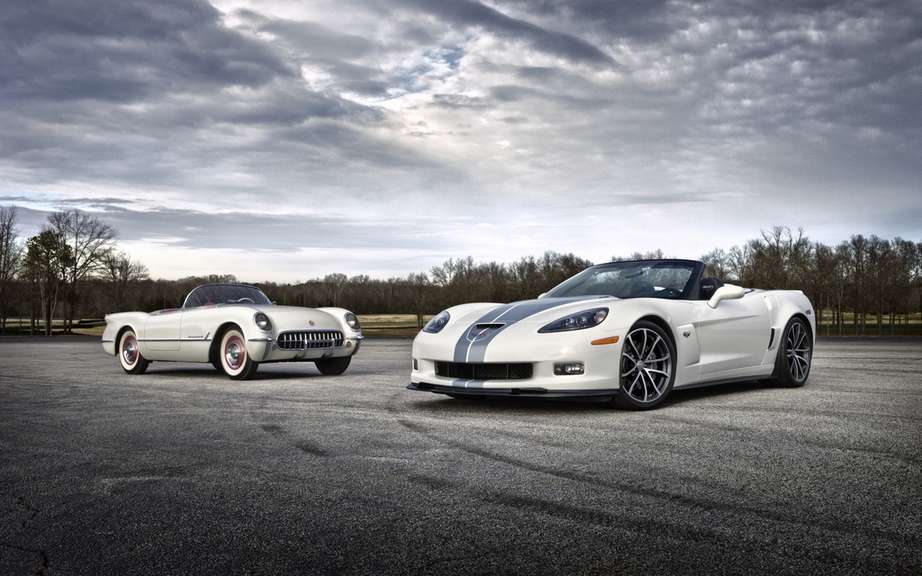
(73, 269)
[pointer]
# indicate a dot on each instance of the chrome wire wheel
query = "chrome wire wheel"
(646, 366)
(797, 350)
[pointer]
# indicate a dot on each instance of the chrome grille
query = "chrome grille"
(308, 339)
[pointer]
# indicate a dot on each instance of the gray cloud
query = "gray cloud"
(472, 13)
(444, 128)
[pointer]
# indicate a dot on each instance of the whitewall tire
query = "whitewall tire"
(235, 360)
(129, 353)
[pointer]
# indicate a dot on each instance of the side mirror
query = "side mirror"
(542, 295)
(726, 292)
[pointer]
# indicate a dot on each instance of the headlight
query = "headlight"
(262, 321)
(438, 322)
(581, 321)
(353, 321)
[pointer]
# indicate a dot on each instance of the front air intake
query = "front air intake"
(474, 371)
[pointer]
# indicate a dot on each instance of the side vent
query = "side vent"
(771, 339)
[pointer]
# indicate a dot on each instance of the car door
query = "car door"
(161, 333)
(732, 336)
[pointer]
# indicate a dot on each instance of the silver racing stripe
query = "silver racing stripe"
(471, 347)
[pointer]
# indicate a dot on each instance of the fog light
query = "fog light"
(568, 368)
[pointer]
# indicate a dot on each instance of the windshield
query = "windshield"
(211, 295)
(630, 280)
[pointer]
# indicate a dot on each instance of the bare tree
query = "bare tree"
(420, 286)
(716, 263)
(89, 240)
(48, 257)
(10, 254)
(120, 272)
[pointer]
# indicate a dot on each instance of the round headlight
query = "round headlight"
(438, 322)
(353, 321)
(262, 321)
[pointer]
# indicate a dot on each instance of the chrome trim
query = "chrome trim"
(186, 339)
(263, 339)
(310, 339)
(105, 340)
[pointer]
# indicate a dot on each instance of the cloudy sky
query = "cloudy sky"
(285, 139)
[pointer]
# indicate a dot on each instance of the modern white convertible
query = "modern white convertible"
(631, 331)
(235, 328)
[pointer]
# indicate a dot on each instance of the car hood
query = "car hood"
(528, 311)
(473, 327)
(297, 318)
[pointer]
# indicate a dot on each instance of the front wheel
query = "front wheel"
(795, 355)
(235, 361)
(129, 354)
(333, 366)
(647, 367)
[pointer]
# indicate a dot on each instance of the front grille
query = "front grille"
(307, 339)
(470, 371)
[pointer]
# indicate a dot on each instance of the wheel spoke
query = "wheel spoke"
(634, 345)
(666, 374)
(631, 389)
(652, 382)
(653, 348)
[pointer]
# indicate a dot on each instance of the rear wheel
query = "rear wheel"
(235, 361)
(333, 366)
(795, 355)
(129, 354)
(647, 367)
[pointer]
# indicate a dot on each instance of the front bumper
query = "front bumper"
(601, 365)
(516, 392)
(267, 350)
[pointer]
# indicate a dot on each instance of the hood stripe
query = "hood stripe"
(474, 350)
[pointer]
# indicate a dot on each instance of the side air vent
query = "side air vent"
(771, 339)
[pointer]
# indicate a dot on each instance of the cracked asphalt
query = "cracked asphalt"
(182, 471)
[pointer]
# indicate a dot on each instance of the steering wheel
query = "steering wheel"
(245, 300)
(669, 293)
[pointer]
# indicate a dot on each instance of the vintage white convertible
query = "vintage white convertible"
(630, 331)
(236, 328)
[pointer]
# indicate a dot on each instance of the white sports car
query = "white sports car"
(235, 328)
(631, 331)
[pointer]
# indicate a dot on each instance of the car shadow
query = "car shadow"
(211, 373)
(715, 390)
(446, 404)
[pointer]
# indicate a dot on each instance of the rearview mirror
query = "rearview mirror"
(726, 292)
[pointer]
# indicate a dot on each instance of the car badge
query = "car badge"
(310, 322)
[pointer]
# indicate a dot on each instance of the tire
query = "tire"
(333, 366)
(234, 358)
(795, 355)
(645, 384)
(129, 354)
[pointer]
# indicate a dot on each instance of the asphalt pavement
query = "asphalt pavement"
(182, 471)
